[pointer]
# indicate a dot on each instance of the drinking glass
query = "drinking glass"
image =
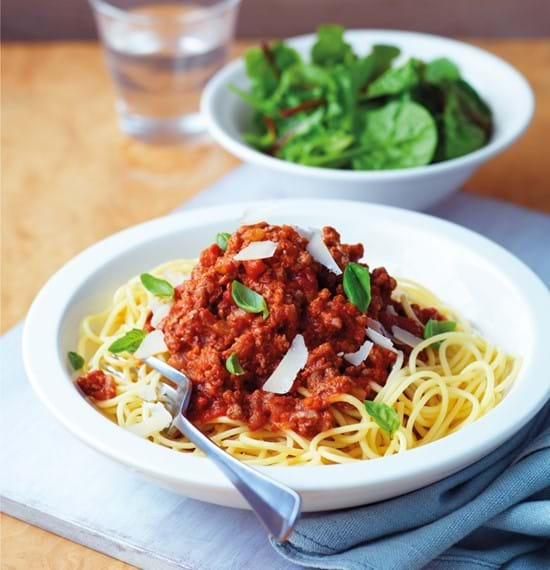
(160, 55)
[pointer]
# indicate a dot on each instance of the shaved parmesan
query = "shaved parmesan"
(256, 250)
(305, 232)
(154, 302)
(317, 248)
(390, 309)
(380, 339)
(377, 326)
(147, 392)
(152, 344)
(405, 337)
(280, 382)
(155, 418)
(175, 278)
(159, 312)
(320, 252)
(360, 355)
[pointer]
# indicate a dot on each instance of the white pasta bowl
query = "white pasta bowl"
(493, 289)
(503, 87)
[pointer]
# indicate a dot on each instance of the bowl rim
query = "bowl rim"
(41, 351)
(219, 81)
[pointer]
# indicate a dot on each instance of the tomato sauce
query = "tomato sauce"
(97, 385)
(205, 327)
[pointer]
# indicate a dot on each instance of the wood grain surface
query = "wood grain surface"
(69, 178)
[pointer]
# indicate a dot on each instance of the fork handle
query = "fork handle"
(276, 505)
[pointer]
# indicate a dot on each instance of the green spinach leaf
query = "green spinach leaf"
(397, 80)
(401, 134)
(466, 120)
(341, 110)
(440, 70)
(330, 47)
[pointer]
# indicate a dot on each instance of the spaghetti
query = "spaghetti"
(445, 383)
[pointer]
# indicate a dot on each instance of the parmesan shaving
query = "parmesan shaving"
(152, 344)
(147, 392)
(360, 355)
(405, 337)
(156, 418)
(320, 252)
(380, 339)
(377, 326)
(280, 382)
(159, 313)
(256, 250)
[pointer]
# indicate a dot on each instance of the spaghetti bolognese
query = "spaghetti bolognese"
(298, 352)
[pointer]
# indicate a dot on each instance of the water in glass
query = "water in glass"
(160, 58)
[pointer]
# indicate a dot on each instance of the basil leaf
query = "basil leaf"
(433, 328)
(248, 300)
(129, 342)
(233, 365)
(77, 362)
(357, 285)
(221, 240)
(159, 287)
(385, 416)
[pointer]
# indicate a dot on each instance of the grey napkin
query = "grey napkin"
(493, 514)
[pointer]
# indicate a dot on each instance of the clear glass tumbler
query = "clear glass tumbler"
(160, 54)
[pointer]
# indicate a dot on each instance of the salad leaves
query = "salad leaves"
(400, 134)
(344, 110)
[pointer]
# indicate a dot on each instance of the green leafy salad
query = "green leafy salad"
(347, 111)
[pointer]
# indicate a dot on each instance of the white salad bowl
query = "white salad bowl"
(493, 289)
(503, 87)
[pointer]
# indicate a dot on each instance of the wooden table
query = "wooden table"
(69, 178)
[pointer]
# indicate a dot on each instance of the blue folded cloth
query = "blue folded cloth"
(493, 514)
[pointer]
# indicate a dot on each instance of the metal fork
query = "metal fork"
(276, 505)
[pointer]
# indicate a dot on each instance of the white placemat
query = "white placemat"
(52, 480)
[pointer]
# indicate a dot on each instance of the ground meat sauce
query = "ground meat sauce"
(97, 385)
(205, 326)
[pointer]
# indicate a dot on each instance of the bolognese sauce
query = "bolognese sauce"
(205, 327)
(97, 385)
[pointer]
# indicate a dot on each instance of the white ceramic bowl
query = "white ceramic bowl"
(491, 287)
(505, 89)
